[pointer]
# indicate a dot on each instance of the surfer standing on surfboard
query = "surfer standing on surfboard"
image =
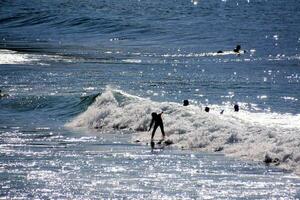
(157, 121)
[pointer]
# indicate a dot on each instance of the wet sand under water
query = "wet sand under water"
(105, 166)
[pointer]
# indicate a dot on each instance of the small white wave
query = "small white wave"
(14, 57)
(89, 88)
(222, 53)
(81, 139)
(244, 134)
(132, 61)
(289, 98)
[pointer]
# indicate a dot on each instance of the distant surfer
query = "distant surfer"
(206, 109)
(236, 50)
(186, 102)
(157, 122)
(236, 108)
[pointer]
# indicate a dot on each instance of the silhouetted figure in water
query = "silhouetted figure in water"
(222, 111)
(206, 109)
(157, 122)
(186, 103)
(237, 49)
(236, 108)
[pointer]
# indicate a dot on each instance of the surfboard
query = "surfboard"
(161, 144)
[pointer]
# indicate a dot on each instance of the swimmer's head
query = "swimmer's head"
(154, 114)
(236, 108)
(206, 109)
(186, 102)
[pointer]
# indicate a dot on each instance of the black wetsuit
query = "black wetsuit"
(157, 121)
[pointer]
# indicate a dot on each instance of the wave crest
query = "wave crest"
(191, 127)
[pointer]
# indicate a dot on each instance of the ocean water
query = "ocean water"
(84, 76)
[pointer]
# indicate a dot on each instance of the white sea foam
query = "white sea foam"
(289, 98)
(202, 54)
(132, 60)
(244, 134)
(14, 57)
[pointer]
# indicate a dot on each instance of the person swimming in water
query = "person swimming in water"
(157, 122)
(237, 48)
(186, 102)
(206, 109)
(236, 108)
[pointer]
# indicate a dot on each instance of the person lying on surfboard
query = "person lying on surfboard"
(157, 122)
(237, 50)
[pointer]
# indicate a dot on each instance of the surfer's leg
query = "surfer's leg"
(153, 131)
(162, 130)
(152, 144)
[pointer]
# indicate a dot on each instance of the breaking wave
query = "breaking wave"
(269, 137)
(10, 57)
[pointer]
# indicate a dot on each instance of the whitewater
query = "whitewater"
(80, 79)
(262, 137)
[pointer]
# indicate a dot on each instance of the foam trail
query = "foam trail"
(15, 57)
(236, 134)
(132, 61)
(204, 54)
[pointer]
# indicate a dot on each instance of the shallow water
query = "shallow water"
(57, 58)
(88, 166)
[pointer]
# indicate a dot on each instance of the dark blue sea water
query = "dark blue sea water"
(57, 56)
(172, 41)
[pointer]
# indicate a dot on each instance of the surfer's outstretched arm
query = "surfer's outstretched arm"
(151, 124)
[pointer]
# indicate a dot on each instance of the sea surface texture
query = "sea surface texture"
(80, 79)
